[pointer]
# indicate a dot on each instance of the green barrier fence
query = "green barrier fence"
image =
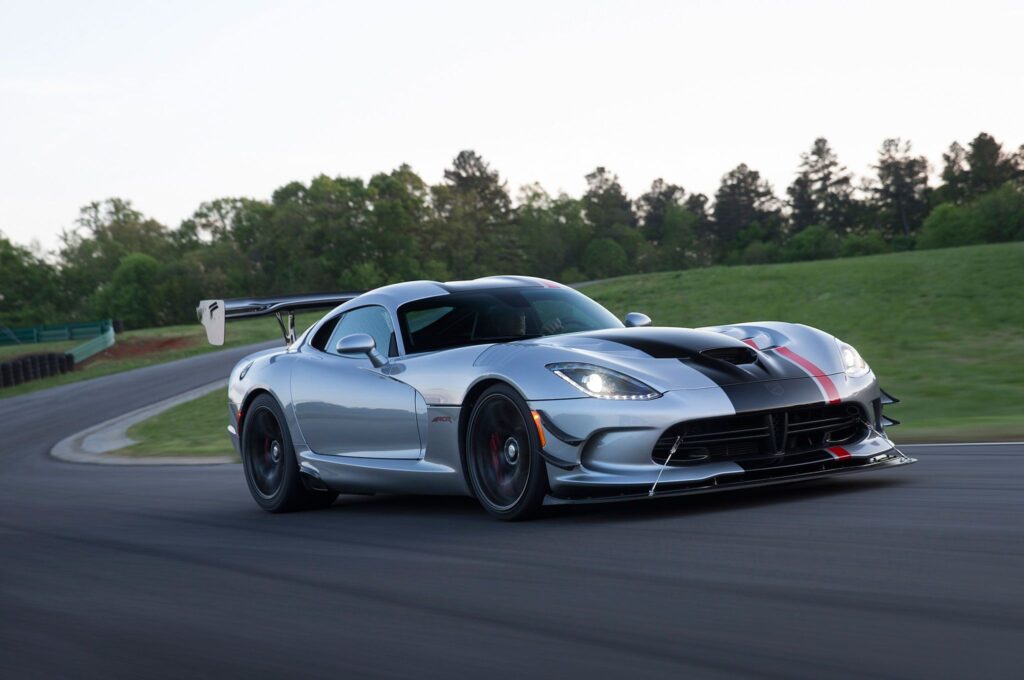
(94, 346)
(54, 333)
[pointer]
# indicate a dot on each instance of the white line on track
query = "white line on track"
(968, 444)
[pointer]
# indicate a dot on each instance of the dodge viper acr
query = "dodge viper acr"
(522, 392)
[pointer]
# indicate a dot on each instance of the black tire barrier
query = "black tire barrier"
(33, 367)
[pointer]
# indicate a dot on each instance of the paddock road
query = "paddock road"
(146, 572)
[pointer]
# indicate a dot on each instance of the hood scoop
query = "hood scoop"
(737, 356)
(679, 343)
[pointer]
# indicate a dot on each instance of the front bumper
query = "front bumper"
(602, 450)
(724, 482)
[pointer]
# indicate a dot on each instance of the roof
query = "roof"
(397, 294)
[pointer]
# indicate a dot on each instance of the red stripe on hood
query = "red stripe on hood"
(826, 383)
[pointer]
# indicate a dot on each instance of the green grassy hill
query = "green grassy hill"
(942, 329)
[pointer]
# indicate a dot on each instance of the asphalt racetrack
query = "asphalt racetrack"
(145, 572)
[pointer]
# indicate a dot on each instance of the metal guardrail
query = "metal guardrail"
(94, 346)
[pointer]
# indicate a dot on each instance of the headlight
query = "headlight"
(853, 363)
(603, 383)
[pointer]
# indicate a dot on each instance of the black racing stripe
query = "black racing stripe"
(687, 346)
(767, 366)
(773, 394)
(667, 343)
(769, 382)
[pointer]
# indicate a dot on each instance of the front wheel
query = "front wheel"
(268, 457)
(503, 462)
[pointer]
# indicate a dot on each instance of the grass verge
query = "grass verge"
(194, 428)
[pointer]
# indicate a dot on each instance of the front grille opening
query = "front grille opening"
(734, 355)
(779, 434)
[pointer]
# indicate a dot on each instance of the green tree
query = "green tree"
(990, 218)
(28, 286)
(105, 233)
(901, 192)
(743, 199)
(399, 204)
(552, 230)
(704, 228)
(822, 192)
(654, 206)
(131, 294)
(604, 258)
(816, 242)
(989, 167)
(473, 228)
(955, 183)
(855, 245)
(610, 212)
(679, 245)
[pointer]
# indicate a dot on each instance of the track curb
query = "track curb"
(94, 444)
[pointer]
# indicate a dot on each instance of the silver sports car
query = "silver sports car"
(522, 392)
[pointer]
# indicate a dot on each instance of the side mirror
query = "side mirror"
(636, 319)
(361, 343)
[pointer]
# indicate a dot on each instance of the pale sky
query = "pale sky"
(170, 104)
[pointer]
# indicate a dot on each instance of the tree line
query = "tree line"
(346, 233)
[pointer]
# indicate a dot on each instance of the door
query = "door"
(346, 407)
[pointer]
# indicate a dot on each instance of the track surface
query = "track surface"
(173, 572)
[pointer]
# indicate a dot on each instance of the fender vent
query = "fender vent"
(733, 355)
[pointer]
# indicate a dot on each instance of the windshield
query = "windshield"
(498, 315)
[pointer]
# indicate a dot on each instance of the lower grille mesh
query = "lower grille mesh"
(766, 434)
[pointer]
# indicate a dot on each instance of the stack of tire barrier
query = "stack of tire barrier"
(34, 366)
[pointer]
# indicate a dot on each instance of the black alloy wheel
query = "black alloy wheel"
(503, 463)
(271, 470)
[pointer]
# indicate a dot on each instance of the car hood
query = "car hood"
(673, 358)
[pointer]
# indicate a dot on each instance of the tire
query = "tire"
(268, 458)
(503, 462)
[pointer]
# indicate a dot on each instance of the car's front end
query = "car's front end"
(781, 403)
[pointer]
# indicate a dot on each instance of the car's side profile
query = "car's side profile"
(520, 392)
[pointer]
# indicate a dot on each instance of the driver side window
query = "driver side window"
(372, 320)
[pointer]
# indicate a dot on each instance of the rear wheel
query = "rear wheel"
(503, 462)
(271, 470)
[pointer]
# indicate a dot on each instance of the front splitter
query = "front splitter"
(716, 484)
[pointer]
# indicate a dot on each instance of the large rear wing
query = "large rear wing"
(214, 313)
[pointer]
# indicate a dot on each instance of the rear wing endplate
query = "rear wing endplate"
(213, 314)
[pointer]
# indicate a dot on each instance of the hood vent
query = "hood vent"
(736, 356)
